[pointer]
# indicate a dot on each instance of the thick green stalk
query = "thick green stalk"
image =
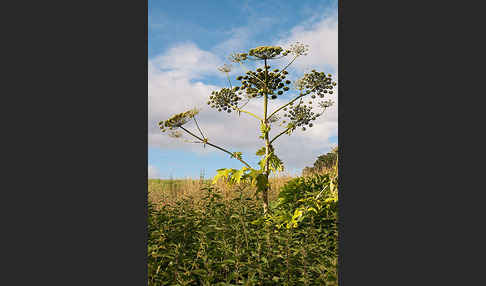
(267, 142)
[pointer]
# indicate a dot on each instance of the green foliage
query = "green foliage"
(233, 176)
(304, 197)
(264, 129)
(216, 243)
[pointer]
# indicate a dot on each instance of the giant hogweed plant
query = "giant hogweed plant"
(267, 84)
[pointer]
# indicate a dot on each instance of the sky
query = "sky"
(189, 40)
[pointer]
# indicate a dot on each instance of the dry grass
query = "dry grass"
(168, 191)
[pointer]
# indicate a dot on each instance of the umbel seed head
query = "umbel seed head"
(178, 120)
(265, 52)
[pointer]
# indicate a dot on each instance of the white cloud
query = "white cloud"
(176, 84)
(322, 38)
(186, 61)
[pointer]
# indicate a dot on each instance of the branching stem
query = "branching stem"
(229, 81)
(287, 65)
(217, 147)
(282, 133)
(198, 127)
(247, 112)
(287, 104)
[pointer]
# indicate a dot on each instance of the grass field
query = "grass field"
(169, 191)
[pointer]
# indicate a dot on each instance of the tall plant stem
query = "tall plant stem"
(267, 142)
(217, 147)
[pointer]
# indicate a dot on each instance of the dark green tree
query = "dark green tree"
(326, 161)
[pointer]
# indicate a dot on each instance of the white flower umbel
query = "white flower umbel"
(299, 49)
(225, 68)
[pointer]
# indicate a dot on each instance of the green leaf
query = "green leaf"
(200, 272)
(236, 155)
(239, 174)
(261, 151)
(298, 213)
(228, 261)
(222, 173)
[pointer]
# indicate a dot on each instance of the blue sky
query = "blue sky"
(189, 39)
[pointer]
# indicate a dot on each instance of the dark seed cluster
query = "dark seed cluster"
(253, 83)
(225, 99)
(318, 83)
(301, 115)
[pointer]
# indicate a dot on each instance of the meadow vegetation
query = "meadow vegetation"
(215, 234)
